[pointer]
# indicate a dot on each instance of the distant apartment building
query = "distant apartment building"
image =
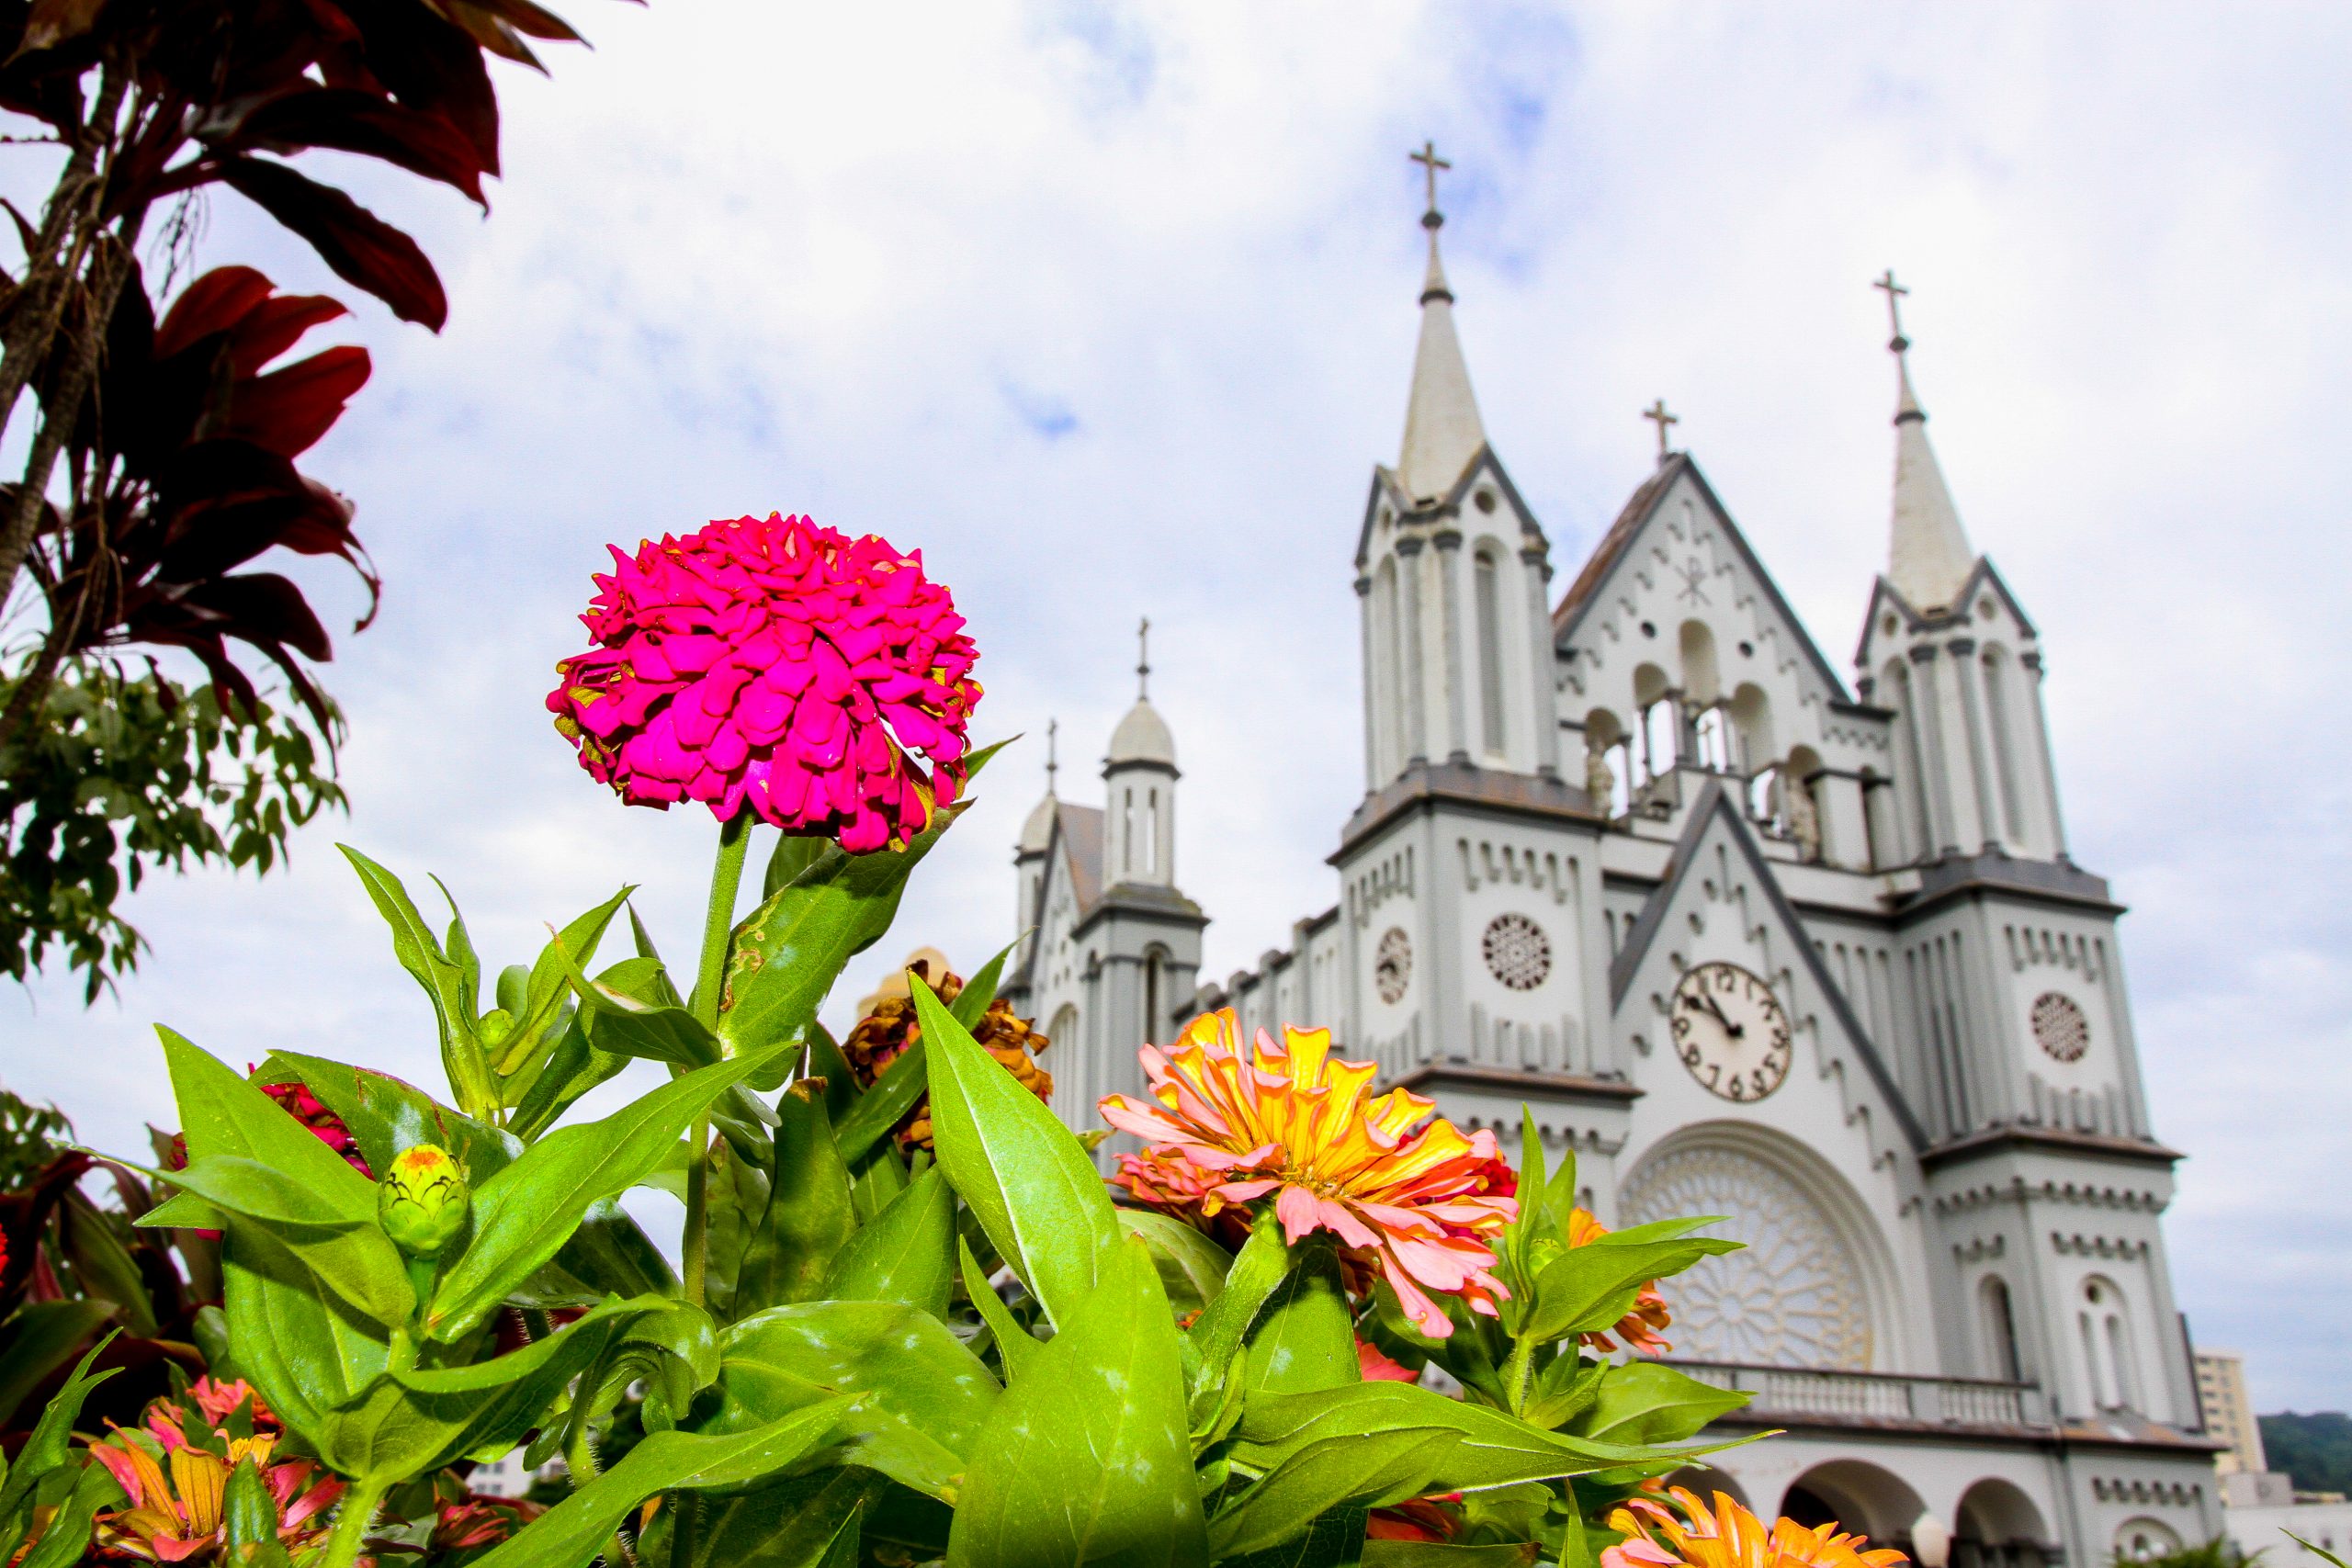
(2229, 1414)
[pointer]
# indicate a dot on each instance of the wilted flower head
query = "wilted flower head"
(889, 1026)
(421, 1201)
(1414, 1202)
(1729, 1537)
(775, 665)
(477, 1522)
(177, 1498)
(1644, 1328)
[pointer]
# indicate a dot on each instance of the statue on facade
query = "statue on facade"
(1600, 779)
(1802, 817)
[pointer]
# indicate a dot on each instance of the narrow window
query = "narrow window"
(1151, 836)
(2001, 1331)
(1128, 833)
(2118, 1352)
(1151, 995)
(1996, 720)
(1490, 652)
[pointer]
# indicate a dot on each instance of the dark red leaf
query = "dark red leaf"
(213, 303)
(428, 62)
(52, 22)
(275, 325)
(349, 120)
(262, 607)
(361, 247)
(287, 410)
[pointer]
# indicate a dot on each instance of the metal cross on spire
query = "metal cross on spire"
(1894, 293)
(1053, 744)
(1656, 414)
(1430, 164)
(1143, 659)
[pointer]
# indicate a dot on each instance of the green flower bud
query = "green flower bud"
(495, 1026)
(420, 1202)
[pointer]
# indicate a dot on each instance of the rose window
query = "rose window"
(2059, 1026)
(1791, 1297)
(1518, 952)
(1392, 964)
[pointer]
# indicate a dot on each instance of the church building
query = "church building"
(1753, 941)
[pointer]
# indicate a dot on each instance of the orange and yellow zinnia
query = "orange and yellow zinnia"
(1415, 1203)
(178, 1497)
(1730, 1536)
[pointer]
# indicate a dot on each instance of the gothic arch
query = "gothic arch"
(1816, 1285)
(1700, 682)
(1385, 718)
(1997, 671)
(1494, 672)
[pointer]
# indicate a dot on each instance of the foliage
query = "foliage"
(2218, 1552)
(2315, 1450)
(125, 774)
(873, 1352)
(177, 441)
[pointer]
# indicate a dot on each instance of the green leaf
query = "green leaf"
(1216, 1334)
(1333, 1541)
(412, 1423)
(67, 1536)
(808, 1215)
(351, 1256)
(385, 1115)
(103, 1264)
(794, 853)
(1590, 1287)
(1375, 1443)
(1304, 1339)
(50, 1444)
(573, 947)
(906, 1253)
(1640, 1402)
(574, 1530)
(1086, 1459)
(809, 1521)
(972, 1002)
(1192, 1267)
(1016, 1348)
(574, 1068)
(524, 1213)
(633, 1025)
(787, 952)
(249, 1511)
(1030, 1184)
(884, 1105)
(926, 1398)
(300, 1347)
(444, 980)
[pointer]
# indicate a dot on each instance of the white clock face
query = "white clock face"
(1730, 1031)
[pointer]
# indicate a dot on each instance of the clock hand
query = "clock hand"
(1734, 1029)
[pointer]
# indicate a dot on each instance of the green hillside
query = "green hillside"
(2316, 1449)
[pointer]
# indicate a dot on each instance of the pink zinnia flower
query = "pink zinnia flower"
(1416, 1204)
(778, 666)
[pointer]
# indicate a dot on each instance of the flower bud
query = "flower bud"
(495, 1026)
(421, 1201)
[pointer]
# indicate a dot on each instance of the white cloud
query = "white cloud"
(1109, 310)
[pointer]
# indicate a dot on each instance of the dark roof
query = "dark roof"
(1639, 506)
(1612, 543)
(1082, 829)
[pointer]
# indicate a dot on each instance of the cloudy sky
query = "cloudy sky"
(1110, 311)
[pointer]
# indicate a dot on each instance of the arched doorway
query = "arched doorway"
(2139, 1539)
(1998, 1527)
(1860, 1497)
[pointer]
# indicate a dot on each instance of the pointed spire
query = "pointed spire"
(1053, 747)
(1928, 556)
(1143, 659)
(1443, 431)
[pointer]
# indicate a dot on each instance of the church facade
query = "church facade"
(1751, 940)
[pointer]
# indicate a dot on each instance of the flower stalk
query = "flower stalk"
(710, 979)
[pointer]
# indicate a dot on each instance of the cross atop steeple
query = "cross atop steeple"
(1894, 293)
(1656, 414)
(1430, 164)
(1143, 659)
(1053, 745)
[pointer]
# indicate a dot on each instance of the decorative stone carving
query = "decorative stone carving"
(2059, 1026)
(1518, 952)
(1792, 1297)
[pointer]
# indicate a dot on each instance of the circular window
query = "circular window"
(1392, 964)
(1791, 1297)
(1518, 952)
(2059, 1026)
(1485, 499)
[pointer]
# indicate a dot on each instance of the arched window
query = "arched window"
(1658, 725)
(1712, 736)
(1700, 684)
(1488, 595)
(1154, 963)
(1910, 768)
(1751, 723)
(1128, 833)
(2000, 1331)
(1387, 675)
(1151, 834)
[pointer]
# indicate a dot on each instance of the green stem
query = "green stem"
(351, 1523)
(718, 928)
(1262, 1264)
